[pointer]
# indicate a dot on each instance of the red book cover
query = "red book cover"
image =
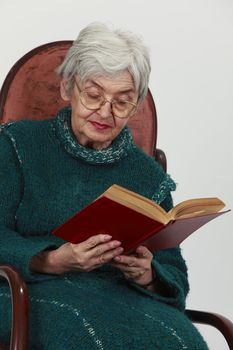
(132, 228)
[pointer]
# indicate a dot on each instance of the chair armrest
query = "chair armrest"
(220, 322)
(20, 307)
(160, 157)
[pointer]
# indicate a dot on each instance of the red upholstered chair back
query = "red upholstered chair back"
(31, 91)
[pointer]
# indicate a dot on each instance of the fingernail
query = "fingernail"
(107, 237)
(116, 243)
(120, 250)
(117, 258)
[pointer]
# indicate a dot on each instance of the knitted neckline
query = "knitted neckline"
(119, 148)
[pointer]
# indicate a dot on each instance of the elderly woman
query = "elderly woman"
(89, 295)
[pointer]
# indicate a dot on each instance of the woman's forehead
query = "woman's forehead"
(122, 82)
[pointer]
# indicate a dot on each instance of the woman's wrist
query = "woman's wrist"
(45, 262)
(150, 285)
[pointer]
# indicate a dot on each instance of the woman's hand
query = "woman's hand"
(85, 256)
(136, 267)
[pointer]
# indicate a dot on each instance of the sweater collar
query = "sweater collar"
(119, 148)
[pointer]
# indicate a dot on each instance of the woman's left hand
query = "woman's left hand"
(136, 266)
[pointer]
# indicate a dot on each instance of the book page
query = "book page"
(137, 202)
(196, 207)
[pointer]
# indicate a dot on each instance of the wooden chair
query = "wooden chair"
(31, 91)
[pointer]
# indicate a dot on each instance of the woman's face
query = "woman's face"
(98, 128)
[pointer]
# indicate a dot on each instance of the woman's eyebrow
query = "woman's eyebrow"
(127, 90)
(94, 83)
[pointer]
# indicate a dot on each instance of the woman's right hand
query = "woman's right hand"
(85, 256)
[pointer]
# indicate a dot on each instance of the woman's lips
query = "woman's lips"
(100, 126)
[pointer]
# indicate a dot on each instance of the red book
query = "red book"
(135, 220)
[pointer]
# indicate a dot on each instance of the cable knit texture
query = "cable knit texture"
(45, 177)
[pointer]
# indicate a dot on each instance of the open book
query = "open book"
(136, 220)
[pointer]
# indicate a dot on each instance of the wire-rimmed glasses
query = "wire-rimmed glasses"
(93, 101)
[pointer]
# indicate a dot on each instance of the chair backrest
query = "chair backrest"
(31, 91)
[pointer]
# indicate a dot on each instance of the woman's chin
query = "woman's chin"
(97, 140)
(98, 135)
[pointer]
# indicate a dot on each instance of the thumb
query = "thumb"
(143, 252)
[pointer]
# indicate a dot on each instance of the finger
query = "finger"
(126, 268)
(94, 241)
(130, 261)
(134, 274)
(143, 252)
(107, 256)
(130, 272)
(100, 249)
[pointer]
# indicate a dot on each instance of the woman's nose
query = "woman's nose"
(106, 110)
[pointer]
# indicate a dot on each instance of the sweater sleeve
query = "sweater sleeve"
(15, 249)
(171, 273)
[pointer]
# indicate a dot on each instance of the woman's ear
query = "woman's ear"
(64, 94)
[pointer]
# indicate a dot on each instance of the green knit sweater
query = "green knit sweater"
(45, 177)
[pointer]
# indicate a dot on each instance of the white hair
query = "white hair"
(100, 50)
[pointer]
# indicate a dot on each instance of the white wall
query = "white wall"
(192, 83)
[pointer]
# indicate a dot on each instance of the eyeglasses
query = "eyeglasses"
(93, 101)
